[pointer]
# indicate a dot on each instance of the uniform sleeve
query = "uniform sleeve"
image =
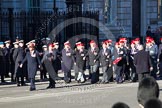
(44, 57)
(98, 56)
(25, 59)
(15, 54)
(135, 59)
(156, 50)
(149, 58)
(87, 54)
(38, 59)
(73, 55)
(59, 55)
(110, 56)
(159, 51)
(55, 55)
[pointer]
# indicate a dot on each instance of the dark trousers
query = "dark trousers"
(119, 74)
(7, 69)
(67, 76)
(12, 70)
(43, 74)
(154, 71)
(12, 77)
(18, 80)
(76, 72)
(133, 75)
(2, 78)
(32, 83)
(105, 74)
(160, 69)
(94, 74)
(143, 75)
(51, 82)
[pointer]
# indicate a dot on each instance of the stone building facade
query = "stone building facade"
(122, 17)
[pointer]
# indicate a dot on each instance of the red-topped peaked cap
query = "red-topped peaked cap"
(51, 45)
(105, 42)
(137, 39)
(67, 43)
(92, 42)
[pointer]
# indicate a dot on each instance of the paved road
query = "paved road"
(69, 96)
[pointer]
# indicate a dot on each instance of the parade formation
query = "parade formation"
(119, 62)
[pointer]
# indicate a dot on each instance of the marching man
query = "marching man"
(67, 61)
(80, 62)
(33, 60)
(93, 61)
(105, 61)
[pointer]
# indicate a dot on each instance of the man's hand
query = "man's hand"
(21, 65)
(74, 63)
(151, 68)
(127, 64)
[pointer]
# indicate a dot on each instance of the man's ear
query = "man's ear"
(141, 106)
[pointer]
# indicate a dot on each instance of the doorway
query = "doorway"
(136, 18)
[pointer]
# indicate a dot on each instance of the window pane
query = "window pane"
(34, 5)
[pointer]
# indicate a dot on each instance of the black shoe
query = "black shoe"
(3, 81)
(101, 82)
(93, 82)
(82, 82)
(12, 80)
(7, 76)
(120, 82)
(52, 86)
(18, 85)
(32, 89)
(48, 87)
(57, 78)
(24, 84)
(107, 82)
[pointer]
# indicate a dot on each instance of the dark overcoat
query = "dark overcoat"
(49, 62)
(105, 57)
(18, 56)
(80, 62)
(32, 63)
(92, 56)
(67, 61)
(2, 62)
(142, 62)
(57, 63)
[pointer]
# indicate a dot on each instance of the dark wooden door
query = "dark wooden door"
(136, 17)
